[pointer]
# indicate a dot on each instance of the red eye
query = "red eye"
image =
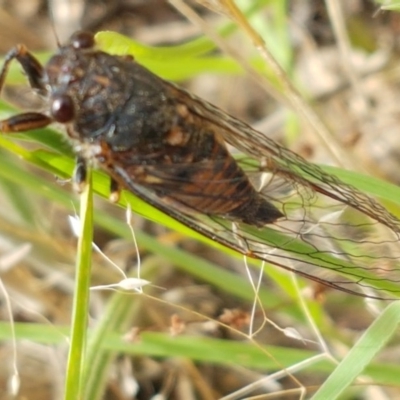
(62, 108)
(82, 40)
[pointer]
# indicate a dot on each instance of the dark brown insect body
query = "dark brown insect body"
(168, 147)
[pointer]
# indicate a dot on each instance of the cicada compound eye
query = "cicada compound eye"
(82, 40)
(62, 108)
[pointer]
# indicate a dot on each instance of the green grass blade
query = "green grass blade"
(120, 311)
(74, 383)
(361, 354)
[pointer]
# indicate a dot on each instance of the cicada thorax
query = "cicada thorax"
(129, 113)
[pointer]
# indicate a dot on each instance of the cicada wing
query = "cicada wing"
(320, 238)
(281, 162)
(332, 234)
(329, 232)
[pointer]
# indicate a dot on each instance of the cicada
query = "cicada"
(170, 148)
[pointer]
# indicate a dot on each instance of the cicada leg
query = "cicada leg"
(34, 72)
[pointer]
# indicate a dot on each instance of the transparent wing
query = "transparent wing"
(320, 238)
(331, 232)
(283, 163)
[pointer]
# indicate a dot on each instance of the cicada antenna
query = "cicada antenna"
(65, 19)
(53, 28)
